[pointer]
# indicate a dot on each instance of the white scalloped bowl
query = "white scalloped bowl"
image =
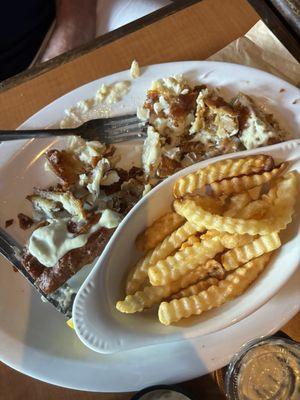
(105, 330)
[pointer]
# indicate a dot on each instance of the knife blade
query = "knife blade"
(62, 299)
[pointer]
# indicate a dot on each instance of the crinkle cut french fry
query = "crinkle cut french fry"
(156, 232)
(194, 182)
(241, 183)
(277, 218)
(143, 299)
(173, 267)
(191, 240)
(172, 242)
(229, 240)
(211, 268)
(151, 295)
(228, 289)
(284, 202)
(271, 196)
(139, 274)
(195, 289)
(211, 204)
(255, 192)
(232, 259)
(257, 209)
(238, 201)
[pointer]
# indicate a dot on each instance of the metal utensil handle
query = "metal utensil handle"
(34, 133)
(12, 251)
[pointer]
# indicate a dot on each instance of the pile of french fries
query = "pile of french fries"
(220, 237)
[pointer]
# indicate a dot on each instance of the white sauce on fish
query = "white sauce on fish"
(51, 242)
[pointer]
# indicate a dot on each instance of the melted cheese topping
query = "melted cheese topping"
(51, 242)
(151, 151)
(97, 175)
(256, 133)
(257, 130)
(90, 150)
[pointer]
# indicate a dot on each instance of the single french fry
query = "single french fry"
(195, 289)
(233, 240)
(228, 240)
(229, 168)
(239, 184)
(157, 232)
(228, 289)
(211, 269)
(145, 298)
(139, 273)
(173, 267)
(232, 259)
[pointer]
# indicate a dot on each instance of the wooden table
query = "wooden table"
(192, 33)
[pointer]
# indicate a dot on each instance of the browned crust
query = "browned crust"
(124, 176)
(52, 278)
(25, 222)
(9, 222)
(65, 165)
(192, 147)
(32, 265)
(167, 167)
(184, 103)
(220, 104)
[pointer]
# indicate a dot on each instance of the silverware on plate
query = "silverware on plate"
(62, 299)
(107, 130)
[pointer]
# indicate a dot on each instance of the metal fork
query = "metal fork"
(106, 130)
(62, 299)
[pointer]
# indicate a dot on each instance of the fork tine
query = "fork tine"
(9, 240)
(10, 249)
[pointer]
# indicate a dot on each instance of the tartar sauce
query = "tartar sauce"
(51, 242)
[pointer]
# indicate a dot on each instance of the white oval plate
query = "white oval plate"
(105, 330)
(51, 351)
